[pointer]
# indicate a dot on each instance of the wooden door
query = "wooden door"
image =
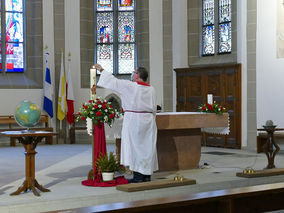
(224, 82)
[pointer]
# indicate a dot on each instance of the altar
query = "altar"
(179, 137)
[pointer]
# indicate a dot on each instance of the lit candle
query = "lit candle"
(210, 98)
(93, 73)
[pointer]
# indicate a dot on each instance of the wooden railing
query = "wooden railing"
(261, 198)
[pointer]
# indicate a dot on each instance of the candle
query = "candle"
(93, 73)
(210, 98)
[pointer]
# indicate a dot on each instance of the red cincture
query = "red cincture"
(142, 83)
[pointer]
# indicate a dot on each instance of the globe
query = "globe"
(27, 114)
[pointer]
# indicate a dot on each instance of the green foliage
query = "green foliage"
(212, 108)
(108, 163)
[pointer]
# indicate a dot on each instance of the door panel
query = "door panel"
(224, 82)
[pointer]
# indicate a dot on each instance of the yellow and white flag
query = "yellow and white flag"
(61, 107)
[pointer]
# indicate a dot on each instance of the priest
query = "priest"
(139, 130)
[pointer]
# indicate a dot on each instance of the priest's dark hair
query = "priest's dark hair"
(143, 73)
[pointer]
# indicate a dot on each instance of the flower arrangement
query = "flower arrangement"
(98, 110)
(212, 108)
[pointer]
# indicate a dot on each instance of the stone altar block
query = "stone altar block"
(179, 137)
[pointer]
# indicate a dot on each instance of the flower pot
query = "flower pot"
(107, 176)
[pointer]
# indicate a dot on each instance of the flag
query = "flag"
(47, 90)
(61, 107)
(69, 94)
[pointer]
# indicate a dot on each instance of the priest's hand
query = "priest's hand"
(93, 89)
(99, 67)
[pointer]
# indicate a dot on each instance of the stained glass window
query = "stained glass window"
(104, 5)
(125, 5)
(104, 27)
(105, 56)
(225, 28)
(208, 12)
(115, 36)
(208, 40)
(14, 36)
(126, 53)
(225, 38)
(126, 27)
(224, 10)
(208, 32)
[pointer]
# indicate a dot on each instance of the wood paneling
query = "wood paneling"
(224, 82)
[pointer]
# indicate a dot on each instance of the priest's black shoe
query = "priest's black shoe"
(146, 178)
(137, 178)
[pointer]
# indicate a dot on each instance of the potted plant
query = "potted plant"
(107, 165)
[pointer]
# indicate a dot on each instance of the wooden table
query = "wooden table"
(29, 139)
(268, 147)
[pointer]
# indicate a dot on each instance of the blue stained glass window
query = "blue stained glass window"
(105, 28)
(208, 12)
(126, 30)
(14, 57)
(225, 28)
(225, 40)
(14, 27)
(116, 50)
(208, 40)
(224, 11)
(14, 42)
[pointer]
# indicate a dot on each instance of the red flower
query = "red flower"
(111, 116)
(110, 106)
(122, 109)
(98, 113)
(86, 107)
(203, 108)
(210, 108)
(96, 106)
(83, 118)
(103, 106)
(99, 102)
(90, 101)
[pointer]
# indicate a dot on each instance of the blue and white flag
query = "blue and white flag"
(47, 100)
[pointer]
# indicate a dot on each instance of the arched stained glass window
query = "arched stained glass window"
(223, 26)
(208, 32)
(12, 36)
(115, 35)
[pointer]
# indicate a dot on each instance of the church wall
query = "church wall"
(242, 59)
(167, 56)
(180, 42)
(251, 73)
(270, 69)
(156, 47)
